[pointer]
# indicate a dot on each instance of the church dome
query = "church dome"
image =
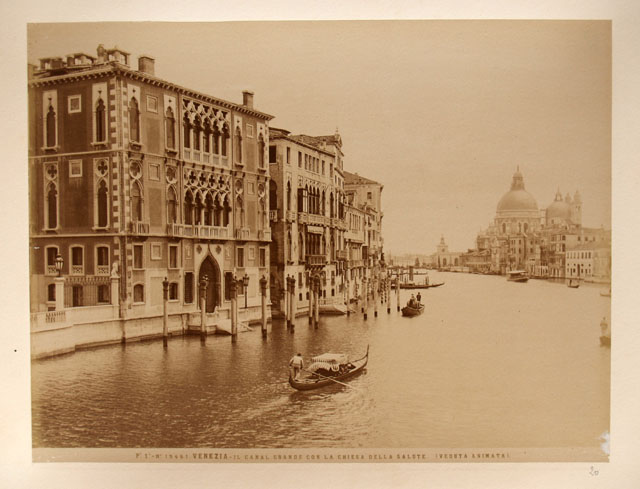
(517, 199)
(559, 209)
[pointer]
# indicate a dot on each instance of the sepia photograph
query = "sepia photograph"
(390, 240)
(378, 246)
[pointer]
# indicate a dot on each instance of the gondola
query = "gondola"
(419, 286)
(605, 340)
(573, 284)
(411, 311)
(329, 368)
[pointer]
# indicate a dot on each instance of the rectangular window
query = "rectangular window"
(173, 291)
(152, 104)
(51, 293)
(188, 288)
(52, 253)
(75, 168)
(249, 131)
(103, 294)
(74, 104)
(102, 260)
(263, 257)
(173, 256)
(288, 156)
(138, 293)
(369, 195)
(76, 256)
(272, 154)
(299, 159)
(240, 261)
(138, 256)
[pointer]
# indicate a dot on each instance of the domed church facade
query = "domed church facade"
(525, 237)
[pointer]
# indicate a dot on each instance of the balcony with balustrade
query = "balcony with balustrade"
(342, 255)
(139, 228)
(315, 260)
(243, 234)
(264, 234)
(273, 215)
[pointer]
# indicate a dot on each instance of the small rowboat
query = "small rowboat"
(329, 368)
(413, 311)
(574, 284)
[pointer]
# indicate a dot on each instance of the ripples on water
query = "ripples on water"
(489, 364)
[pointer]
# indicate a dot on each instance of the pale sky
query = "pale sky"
(440, 112)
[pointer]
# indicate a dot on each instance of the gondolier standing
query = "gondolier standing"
(419, 297)
(297, 363)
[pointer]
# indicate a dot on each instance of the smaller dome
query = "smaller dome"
(559, 209)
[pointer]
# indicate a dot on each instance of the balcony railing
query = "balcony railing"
(273, 215)
(356, 263)
(342, 254)
(212, 232)
(243, 233)
(139, 228)
(303, 218)
(190, 231)
(316, 260)
(291, 216)
(264, 234)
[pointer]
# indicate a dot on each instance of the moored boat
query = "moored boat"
(517, 276)
(574, 284)
(419, 286)
(411, 311)
(329, 368)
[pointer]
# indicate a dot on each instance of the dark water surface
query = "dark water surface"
(489, 364)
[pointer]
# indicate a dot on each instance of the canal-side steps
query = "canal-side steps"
(218, 322)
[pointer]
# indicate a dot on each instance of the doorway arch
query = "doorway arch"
(210, 268)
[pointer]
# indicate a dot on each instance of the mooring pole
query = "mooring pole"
(165, 314)
(234, 310)
(317, 311)
(364, 296)
(293, 303)
(348, 296)
(203, 309)
(398, 292)
(375, 295)
(263, 290)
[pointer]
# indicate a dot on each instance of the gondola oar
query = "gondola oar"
(329, 378)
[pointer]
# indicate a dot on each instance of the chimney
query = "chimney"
(146, 64)
(247, 99)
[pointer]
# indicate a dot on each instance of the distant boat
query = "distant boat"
(606, 294)
(573, 283)
(411, 285)
(411, 311)
(517, 276)
(605, 341)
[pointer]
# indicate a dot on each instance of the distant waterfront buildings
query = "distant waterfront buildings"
(544, 242)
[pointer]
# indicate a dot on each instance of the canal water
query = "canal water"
(490, 363)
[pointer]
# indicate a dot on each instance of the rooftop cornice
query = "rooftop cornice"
(118, 69)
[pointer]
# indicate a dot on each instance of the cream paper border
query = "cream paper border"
(16, 467)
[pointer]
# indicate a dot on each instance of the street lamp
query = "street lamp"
(59, 264)
(245, 283)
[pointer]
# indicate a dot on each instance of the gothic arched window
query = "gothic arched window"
(171, 207)
(134, 120)
(261, 152)
(101, 123)
(51, 127)
(238, 146)
(136, 203)
(102, 205)
(186, 125)
(188, 208)
(170, 128)
(52, 207)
